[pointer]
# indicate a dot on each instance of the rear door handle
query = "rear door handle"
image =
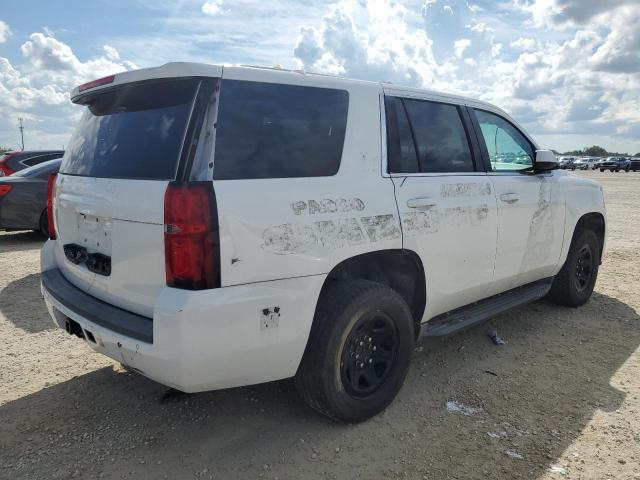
(509, 197)
(420, 202)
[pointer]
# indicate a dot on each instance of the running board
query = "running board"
(478, 312)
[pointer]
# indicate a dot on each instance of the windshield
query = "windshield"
(134, 131)
(43, 168)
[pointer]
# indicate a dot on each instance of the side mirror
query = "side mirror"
(545, 161)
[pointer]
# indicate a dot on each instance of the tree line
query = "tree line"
(597, 151)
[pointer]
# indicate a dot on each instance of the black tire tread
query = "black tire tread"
(336, 297)
(560, 291)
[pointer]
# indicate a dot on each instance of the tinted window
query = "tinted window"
(278, 131)
(34, 160)
(508, 148)
(440, 137)
(30, 161)
(41, 170)
(439, 142)
(401, 150)
(135, 131)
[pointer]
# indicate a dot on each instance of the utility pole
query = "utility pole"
(21, 132)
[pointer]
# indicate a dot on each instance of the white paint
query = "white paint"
(455, 238)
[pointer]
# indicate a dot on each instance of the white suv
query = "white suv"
(216, 227)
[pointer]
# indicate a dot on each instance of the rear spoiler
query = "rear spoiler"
(168, 70)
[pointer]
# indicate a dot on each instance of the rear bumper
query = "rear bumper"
(196, 341)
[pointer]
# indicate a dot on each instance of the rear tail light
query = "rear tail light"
(5, 171)
(191, 238)
(4, 189)
(96, 83)
(50, 191)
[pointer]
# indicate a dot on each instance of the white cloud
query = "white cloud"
(111, 53)
(212, 7)
(38, 89)
(368, 41)
(459, 46)
(620, 51)
(526, 44)
(568, 12)
(5, 31)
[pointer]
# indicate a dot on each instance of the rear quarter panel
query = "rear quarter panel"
(281, 228)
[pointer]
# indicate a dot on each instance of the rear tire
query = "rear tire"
(574, 283)
(358, 352)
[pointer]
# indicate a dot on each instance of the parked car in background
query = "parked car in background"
(614, 164)
(23, 198)
(634, 164)
(567, 163)
(12, 162)
(585, 163)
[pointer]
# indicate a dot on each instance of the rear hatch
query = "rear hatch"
(133, 139)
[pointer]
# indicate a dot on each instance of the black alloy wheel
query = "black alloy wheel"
(369, 354)
(584, 267)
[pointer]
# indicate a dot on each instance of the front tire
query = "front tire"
(358, 352)
(574, 283)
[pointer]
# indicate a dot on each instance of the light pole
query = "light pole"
(21, 132)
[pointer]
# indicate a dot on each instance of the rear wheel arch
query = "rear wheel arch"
(399, 269)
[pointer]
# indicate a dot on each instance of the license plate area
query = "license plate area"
(94, 233)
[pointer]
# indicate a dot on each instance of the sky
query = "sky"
(567, 70)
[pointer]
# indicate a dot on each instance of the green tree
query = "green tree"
(595, 151)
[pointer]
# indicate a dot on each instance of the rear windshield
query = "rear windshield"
(268, 130)
(135, 131)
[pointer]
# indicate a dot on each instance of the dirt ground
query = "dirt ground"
(560, 400)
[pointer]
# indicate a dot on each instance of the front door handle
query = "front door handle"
(509, 197)
(420, 202)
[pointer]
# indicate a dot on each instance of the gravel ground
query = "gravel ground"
(560, 400)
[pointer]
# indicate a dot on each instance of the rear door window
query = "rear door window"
(426, 137)
(270, 130)
(135, 131)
